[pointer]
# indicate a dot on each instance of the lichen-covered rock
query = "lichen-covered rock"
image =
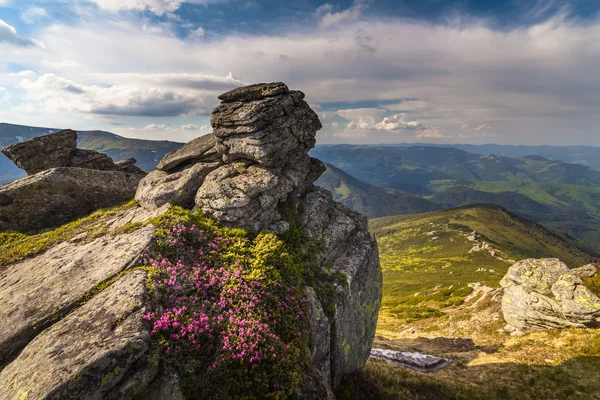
(43, 152)
(240, 194)
(180, 188)
(265, 123)
(351, 251)
(320, 344)
(91, 159)
(199, 149)
(88, 353)
(544, 293)
(587, 271)
(50, 198)
(34, 290)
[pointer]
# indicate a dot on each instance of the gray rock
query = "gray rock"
(254, 92)
(166, 387)
(34, 290)
(43, 152)
(542, 294)
(87, 354)
(159, 187)
(268, 130)
(91, 159)
(417, 361)
(245, 195)
(55, 196)
(320, 344)
(352, 251)
(128, 165)
(199, 149)
(587, 271)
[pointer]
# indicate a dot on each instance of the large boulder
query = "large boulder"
(57, 195)
(540, 294)
(265, 123)
(43, 152)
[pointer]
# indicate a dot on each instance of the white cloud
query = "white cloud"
(143, 99)
(194, 127)
(197, 34)
(532, 84)
(364, 121)
(8, 34)
(158, 7)
(4, 95)
(62, 65)
(33, 14)
(328, 18)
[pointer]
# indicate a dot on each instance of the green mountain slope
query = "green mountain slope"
(371, 200)
(429, 259)
(392, 167)
(147, 152)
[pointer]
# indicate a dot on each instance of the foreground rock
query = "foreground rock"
(88, 354)
(545, 293)
(56, 196)
(49, 279)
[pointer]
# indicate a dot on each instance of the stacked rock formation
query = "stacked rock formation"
(545, 293)
(64, 182)
(250, 173)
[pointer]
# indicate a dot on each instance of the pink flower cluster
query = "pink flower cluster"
(210, 304)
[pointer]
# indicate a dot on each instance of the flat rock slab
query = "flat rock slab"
(34, 290)
(199, 149)
(88, 353)
(56, 196)
(417, 361)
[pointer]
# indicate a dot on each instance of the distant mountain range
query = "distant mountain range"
(580, 154)
(147, 152)
(560, 195)
(373, 201)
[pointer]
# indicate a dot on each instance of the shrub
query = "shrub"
(228, 313)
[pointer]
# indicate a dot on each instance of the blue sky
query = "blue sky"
(376, 71)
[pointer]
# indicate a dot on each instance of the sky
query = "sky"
(388, 71)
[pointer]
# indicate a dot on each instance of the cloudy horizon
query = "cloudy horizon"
(375, 71)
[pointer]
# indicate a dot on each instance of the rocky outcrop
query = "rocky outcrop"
(89, 353)
(43, 152)
(64, 182)
(253, 173)
(72, 307)
(72, 317)
(545, 293)
(56, 196)
(58, 150)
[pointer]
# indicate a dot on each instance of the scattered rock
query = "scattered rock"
(542, 294)
(199, 149)
(128, 165)
(417, 361)
(159, 187)
(43, 152)
(56, 196)
(587, 271)
(92, 160)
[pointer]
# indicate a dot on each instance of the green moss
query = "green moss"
(17, 246)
